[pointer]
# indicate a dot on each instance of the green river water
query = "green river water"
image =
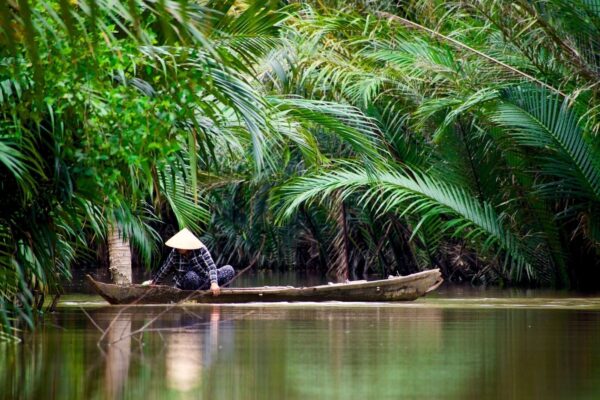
(455, 344)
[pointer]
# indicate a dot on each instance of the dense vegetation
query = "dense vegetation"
(386, 138)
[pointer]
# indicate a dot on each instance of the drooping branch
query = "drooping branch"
(410, 24)
(571, 52)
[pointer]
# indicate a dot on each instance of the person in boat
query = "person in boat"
(192, 265)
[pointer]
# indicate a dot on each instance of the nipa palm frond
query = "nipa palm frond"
(545, 121)
(420, 194)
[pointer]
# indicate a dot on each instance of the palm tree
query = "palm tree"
(119, 254)
(132, 135)
(456, 117)
(116, 136)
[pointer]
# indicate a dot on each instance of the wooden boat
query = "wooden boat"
(395, 288)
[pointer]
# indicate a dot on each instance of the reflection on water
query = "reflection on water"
(183, 361)
(118, 355)
(307, 352)
(188, 351)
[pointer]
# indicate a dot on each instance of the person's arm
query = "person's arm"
(206, 259)
(166, 268)
(197, 263)
(212, 270)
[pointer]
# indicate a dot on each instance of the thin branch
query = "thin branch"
(178, 329)
(92, 320)
(249, 265)
(116, 317)
(572, 53)
(457, 43)
(240, 273)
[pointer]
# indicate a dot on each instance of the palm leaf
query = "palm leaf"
(414, 193)
(347, 122)
(545, 121)
(188, 211)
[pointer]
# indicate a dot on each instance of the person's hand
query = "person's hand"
(147, 283)
(215, 289)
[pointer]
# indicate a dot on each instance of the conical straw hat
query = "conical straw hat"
(185, 240)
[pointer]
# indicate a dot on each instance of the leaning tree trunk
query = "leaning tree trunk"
(119, 255)
(340, 247)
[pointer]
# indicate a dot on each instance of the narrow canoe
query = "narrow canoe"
(397, 288)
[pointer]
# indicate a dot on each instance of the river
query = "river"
(459, 343)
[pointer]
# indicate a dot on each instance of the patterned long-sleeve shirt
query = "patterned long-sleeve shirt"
(199, 261)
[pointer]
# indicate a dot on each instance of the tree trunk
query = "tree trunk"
(119, 255)
(340, 247)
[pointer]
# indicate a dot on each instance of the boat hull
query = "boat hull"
(403, 288)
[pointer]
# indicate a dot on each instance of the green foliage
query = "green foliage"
(417, 194)
(106, 109)
(544, 121)
(508, 169)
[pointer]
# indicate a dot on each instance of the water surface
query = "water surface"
(453, 345)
